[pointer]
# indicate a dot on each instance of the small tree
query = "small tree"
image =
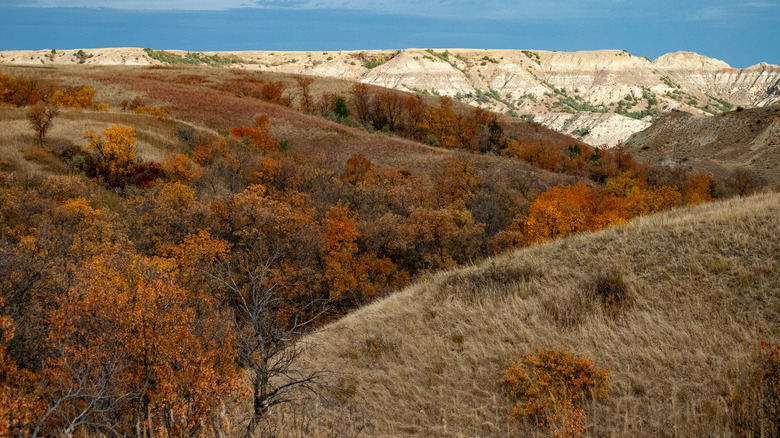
(340, 110)
(41, 117)
(307, 101)
(116, 153)
(268, 343)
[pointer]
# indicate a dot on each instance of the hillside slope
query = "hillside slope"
(209, 98)
(427, 361)
(746, 139)
(567, 91)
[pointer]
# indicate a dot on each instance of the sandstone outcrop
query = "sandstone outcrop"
(601, 96)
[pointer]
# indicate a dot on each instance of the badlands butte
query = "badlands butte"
(601, 97)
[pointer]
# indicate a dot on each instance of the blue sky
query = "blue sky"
(740, 32)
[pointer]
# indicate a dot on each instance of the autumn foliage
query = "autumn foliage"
(123, 280)
(256, 135)
(566, 210)
(548, 389)
(115, 151)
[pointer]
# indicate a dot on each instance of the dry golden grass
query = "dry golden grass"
(156, 137)
(705, 286)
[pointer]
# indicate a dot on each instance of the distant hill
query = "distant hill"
(600, 96)
(741, 139)
(427, 361)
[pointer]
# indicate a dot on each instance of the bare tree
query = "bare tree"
(83, 394)
(269, 345)
(307, 101)
(361, 100)
(41, 116)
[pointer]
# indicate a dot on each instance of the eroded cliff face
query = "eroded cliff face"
(600, 96)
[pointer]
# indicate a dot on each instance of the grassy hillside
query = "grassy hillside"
(427, 361)
(217, 98)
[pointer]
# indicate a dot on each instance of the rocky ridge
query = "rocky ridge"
(601, 97)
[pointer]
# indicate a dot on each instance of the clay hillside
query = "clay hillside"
(723, 145)
(602, 97)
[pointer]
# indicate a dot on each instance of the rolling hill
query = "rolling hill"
(746, 139)
(427, 361)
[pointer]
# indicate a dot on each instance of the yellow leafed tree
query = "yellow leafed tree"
(117, 153)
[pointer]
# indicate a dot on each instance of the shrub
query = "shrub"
(757, 405)
(115, 154)
(609, 289)
(77, 162)
(341, 109)
(549, 387)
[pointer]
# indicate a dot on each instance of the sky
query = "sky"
(740, 32)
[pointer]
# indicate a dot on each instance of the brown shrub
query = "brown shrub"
(610, 290)
(756, 405)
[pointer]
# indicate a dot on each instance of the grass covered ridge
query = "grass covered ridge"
(705, 290)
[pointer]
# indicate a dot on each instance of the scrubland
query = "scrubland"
(188, 245)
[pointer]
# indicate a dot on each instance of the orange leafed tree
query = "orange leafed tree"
(699, 189)
(564, 210)
(358, 170)
(536, 152)
(257, 135)
(361, 101)
(340, 251)
(179, 168)
(307, 100)
(128, 341)
(18, 406)
(459, 180)
(392, 105)
(440, 122)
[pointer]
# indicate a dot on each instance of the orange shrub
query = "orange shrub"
(564, 210)
(548, 388)
(179, 168)
(116, 153)
(537, 153)
(75, 97)
(257, 135)
(152, 111)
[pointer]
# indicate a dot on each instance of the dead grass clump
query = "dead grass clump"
(492, 281)
(372, 349)
(569, 307)
(611, 291)
(605, 292)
